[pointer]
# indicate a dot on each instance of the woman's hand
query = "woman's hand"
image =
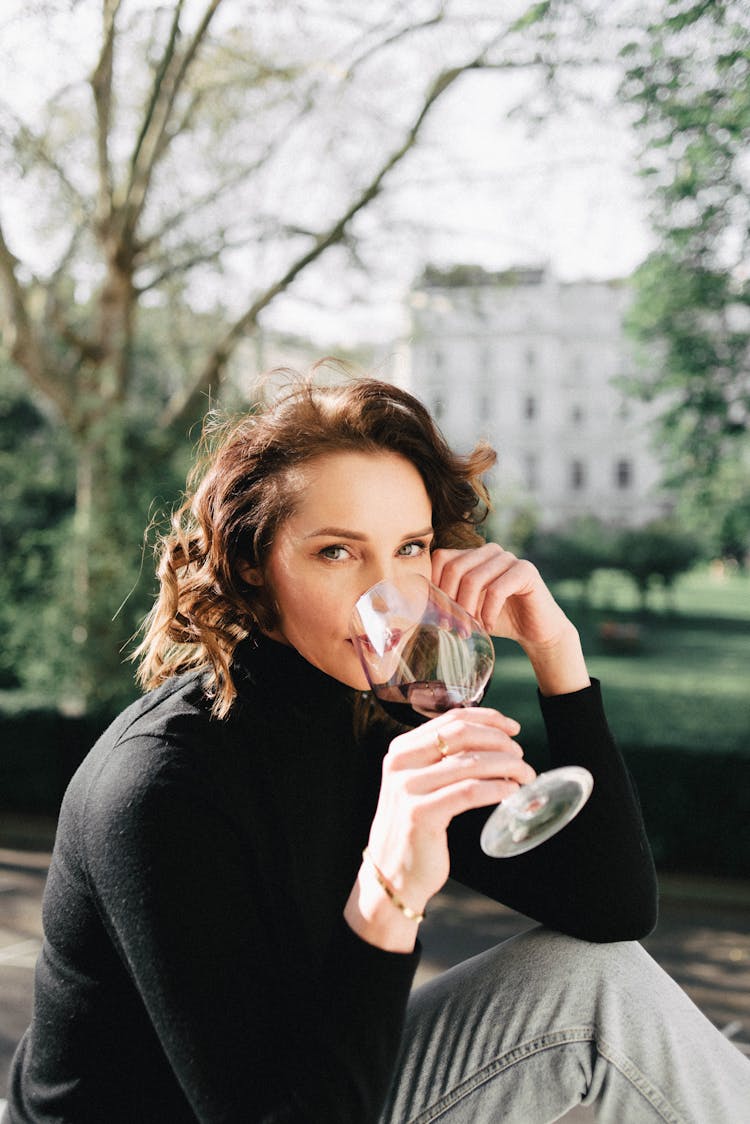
(508, 596)
(463, 759)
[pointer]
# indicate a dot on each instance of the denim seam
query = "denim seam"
(537, 1045)
(638, 1079)
(498, 1065)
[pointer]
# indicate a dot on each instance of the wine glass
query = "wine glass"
(424, 654)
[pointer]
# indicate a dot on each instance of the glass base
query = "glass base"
(537, 811)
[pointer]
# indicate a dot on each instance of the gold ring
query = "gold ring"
(441, 746)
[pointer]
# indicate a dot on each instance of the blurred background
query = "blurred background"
(535, 216)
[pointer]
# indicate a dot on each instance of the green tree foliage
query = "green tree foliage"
(689, 79)
(36, 463)
(734, 530)
(41, 580)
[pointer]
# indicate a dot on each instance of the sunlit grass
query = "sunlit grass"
(718, 591)
(688, 684)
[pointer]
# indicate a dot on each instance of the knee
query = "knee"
(577, 962)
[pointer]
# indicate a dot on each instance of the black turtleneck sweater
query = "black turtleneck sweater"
(196, 964)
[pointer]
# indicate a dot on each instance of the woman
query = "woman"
(218, 949)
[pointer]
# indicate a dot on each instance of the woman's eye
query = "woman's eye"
(334, 553)
(412, 549)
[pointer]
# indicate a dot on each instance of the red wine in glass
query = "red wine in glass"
(414, 703)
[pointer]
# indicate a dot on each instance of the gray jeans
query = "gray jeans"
(543, 1022)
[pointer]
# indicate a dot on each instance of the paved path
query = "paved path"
(702, 939)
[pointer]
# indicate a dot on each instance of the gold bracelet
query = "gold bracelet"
(409, 914)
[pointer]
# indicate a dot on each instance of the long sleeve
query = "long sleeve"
(595, 879)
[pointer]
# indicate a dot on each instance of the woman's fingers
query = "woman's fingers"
(451, 733)
(452, 569)
(465, 768)
(481, 580)
(452, 750)
(507, 594)
(444, 803)
(461, 720)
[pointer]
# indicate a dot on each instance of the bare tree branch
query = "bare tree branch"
(20, 335)
(182, 407)
(101, 84)
(67, 256)
(151, 142)
(174, 221)
(186, 263)
(14, 310)
(394, 37)
(156, 90)
(26, 139)
(53, 313)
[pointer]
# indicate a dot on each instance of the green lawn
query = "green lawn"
(688, 684)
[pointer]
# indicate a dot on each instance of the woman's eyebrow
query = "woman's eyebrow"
(336, 532)
(357, 536)
(419, 534)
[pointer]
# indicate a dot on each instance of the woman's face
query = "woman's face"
(361, 518)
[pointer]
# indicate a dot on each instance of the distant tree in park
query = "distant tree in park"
(689, 80)
(734, 530)
(574, 553)
(659, 551)
(187, 163)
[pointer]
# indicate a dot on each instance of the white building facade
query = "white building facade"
(532, 365)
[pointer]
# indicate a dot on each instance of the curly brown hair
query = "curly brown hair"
(243, 488)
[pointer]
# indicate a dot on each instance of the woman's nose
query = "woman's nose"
(380, 572)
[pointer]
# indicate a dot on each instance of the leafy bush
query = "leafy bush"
(41, 750)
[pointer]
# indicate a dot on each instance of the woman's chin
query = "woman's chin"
(354, 676)
(358, 682)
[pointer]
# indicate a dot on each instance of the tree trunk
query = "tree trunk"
(94, 673)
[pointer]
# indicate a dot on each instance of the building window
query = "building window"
(531, 471)
(577, 415)
(624, 474)
(530, 359)
(438, 407)
(577, 475)
(529, 407)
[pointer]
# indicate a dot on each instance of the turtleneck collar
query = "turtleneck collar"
(274, 666)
